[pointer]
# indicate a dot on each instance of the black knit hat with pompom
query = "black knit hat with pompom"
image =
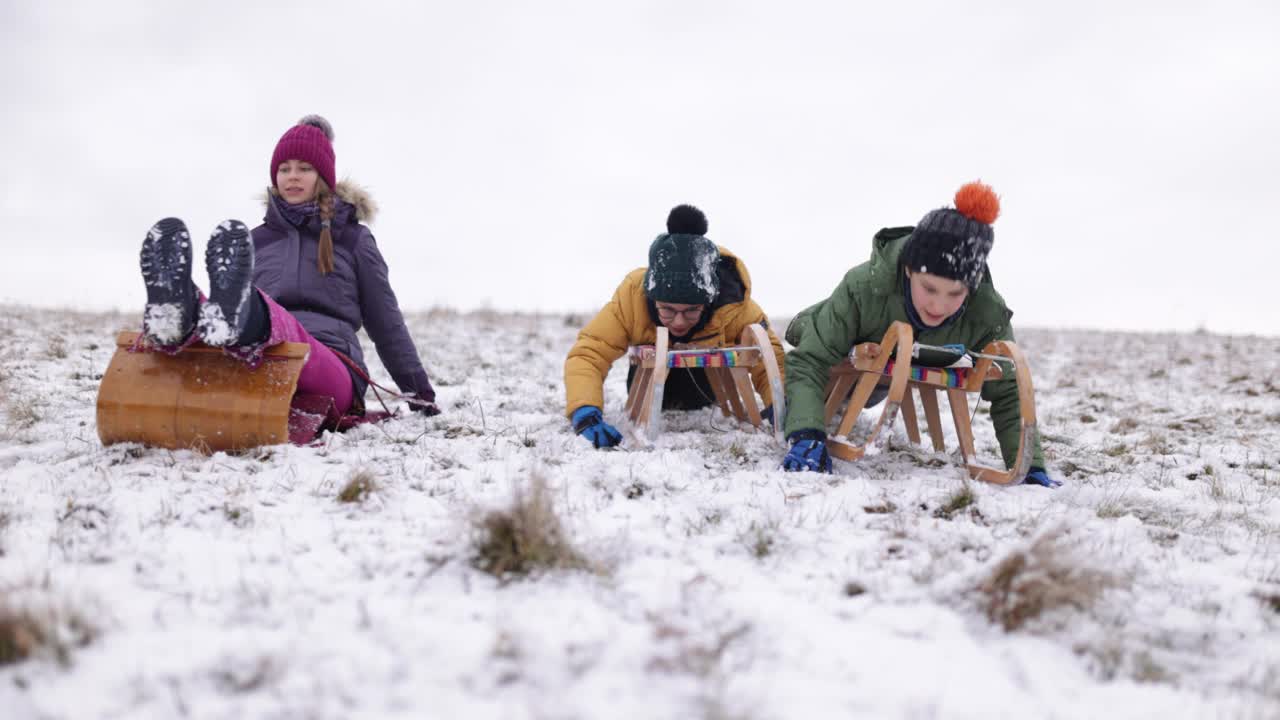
(954, 243)
(683, 262)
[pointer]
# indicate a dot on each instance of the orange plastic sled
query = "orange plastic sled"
(201, 399)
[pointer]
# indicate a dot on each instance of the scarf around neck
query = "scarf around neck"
(296, 215)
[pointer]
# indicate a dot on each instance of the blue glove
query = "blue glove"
(589, 423)
(1038, 476)
(808, 452)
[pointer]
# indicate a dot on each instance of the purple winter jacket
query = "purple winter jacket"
(357, 293)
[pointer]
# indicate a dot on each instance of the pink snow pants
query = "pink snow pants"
(324, 372)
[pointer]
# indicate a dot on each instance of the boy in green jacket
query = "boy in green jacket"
(933, 276)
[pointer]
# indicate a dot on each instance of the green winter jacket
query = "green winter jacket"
(861, 309)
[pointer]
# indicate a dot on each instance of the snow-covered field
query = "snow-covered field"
(702, 581)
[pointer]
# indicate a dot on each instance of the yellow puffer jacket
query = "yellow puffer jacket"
(625, 322)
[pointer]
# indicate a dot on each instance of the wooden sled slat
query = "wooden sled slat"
(715, 378)
(898, 338)
(746, 394)
(772, 372)
(909, 418)
(201, 398)
(929, 398)
(1027, 427)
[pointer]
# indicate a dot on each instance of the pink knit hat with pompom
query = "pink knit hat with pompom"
(311, 140)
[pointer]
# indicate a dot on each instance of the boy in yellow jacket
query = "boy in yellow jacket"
(702, 295)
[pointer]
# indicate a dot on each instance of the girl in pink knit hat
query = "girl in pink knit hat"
(311, 272)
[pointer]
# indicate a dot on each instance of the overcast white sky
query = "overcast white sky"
(525, 154)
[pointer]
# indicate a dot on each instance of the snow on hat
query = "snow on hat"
(682, 262)
(311, 140)
(955, 243)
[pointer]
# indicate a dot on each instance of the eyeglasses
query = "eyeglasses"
(667, 314)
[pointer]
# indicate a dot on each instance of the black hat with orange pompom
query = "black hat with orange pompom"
(954, 243)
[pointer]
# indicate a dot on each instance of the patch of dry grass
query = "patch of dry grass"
(1049, 573)
(239, 678)
(700, 654)
(28, 630)
(84, 532)
(738, 452)
(704, 520)
(1157, 444)
(57, 347)
(1270, 598)
(1116, 450)
(17, 412)
(6, 519)
(525, 537)
(1110, 509)
(359, 487)
(883, 508)
(1124, 425)
(760, 538)
(20, 412)
(962, 498)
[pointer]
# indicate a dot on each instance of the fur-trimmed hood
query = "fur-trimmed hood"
(366, 209)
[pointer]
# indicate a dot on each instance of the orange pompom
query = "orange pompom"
(978, 201)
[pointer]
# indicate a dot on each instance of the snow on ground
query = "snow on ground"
(171, 584)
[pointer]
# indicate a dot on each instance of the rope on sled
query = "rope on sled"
(355, 368)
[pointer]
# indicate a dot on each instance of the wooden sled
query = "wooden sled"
(857, 377)
(201, 399)
(728, 373)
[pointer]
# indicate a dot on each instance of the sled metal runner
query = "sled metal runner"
(200, 399)
(728, 373)
(871, 364)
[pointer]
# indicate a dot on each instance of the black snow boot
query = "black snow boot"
(166, 269)
(233, 314)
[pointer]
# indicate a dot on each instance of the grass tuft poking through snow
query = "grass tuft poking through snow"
(957, 501)
(39, 627)
(57, 347)
(760, 538)
(1049, 573)
(358, 488)
(20, 412)
(1270, 599)
(525, 537)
